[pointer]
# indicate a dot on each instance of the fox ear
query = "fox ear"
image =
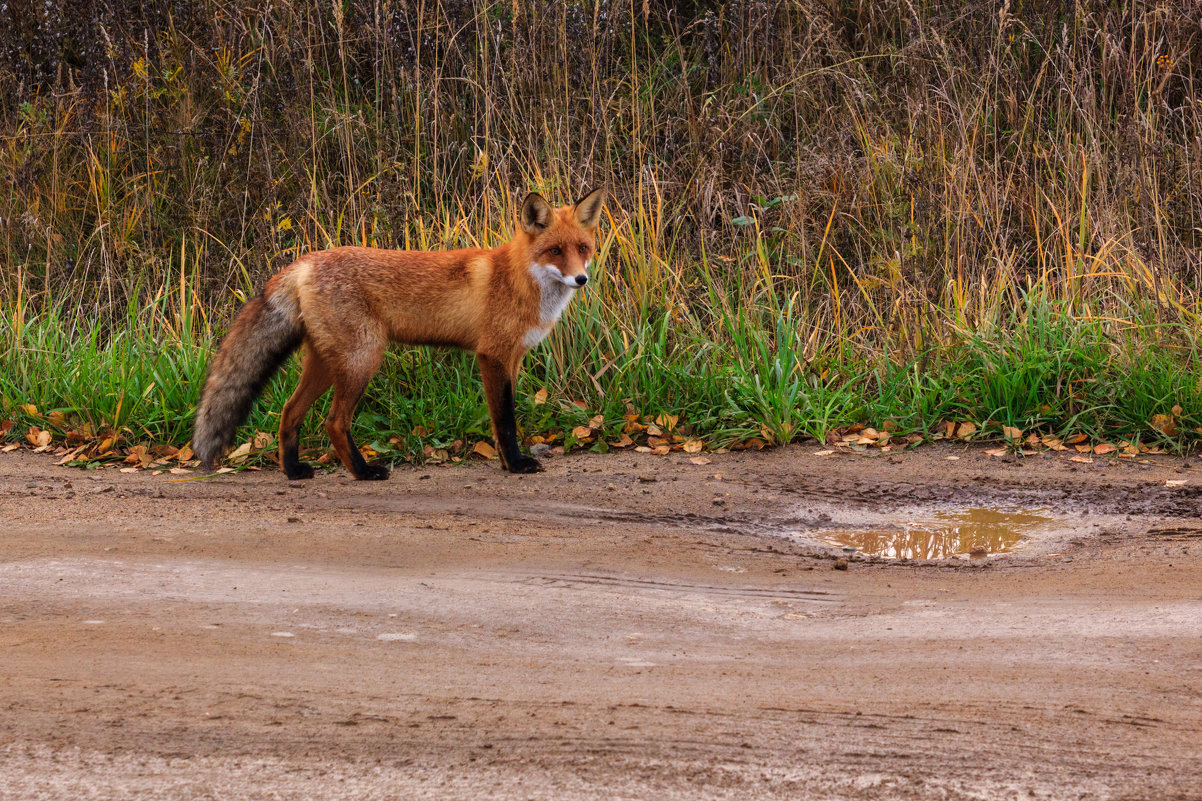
(536, 213)
(588, 208)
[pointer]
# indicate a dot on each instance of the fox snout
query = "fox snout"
(574, 281)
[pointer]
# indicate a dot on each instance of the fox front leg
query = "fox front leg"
(498, 390)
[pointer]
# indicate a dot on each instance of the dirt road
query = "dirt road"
(619, 627)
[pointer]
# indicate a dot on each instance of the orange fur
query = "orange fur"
(352, 301)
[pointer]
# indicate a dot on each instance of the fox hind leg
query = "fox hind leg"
(315, 380)
(349, 385)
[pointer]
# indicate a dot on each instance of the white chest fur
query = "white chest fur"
(554, 295)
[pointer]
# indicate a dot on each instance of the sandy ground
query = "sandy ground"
(619, 627)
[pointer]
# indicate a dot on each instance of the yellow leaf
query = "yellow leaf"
(693, 446)
(582, 432)
(29, 409)
(667, 421)
(1165, 424)
(623, 442)
(540, 397)
(662, 450)
(484, 449)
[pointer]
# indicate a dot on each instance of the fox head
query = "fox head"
(562, 241)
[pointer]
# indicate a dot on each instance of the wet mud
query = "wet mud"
(619, 626)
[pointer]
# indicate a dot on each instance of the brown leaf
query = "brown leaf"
(1104, 448)
(966, 429)
(240, 453)
(185, 454)
(662, 450)
(642, 449)
(540, 397)
(996, 451)
(597, 422)
(699, 460)
(1083, 448)
(420, 431)
(1177, 411)
(582, 432)
(262, 440)
(756, 443)
(485, 449)
(6, 426)
(655, 430)
(581, 404)
(870, 434)
(1074, 439)
(890, 426)
(667, 421)
(1081, 459)
(655, 442)
(623, 442)
(37, 437)
(693, 446)
(1012, 433)
(29, 409)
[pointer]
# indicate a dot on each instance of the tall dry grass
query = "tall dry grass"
(884, 179)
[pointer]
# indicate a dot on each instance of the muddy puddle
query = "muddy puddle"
(974, 532)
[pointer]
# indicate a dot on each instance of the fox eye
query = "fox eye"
(583, 249)
(554, 251)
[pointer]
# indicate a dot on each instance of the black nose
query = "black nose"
(581, 280)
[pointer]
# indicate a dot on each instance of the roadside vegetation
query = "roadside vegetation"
(868, 223)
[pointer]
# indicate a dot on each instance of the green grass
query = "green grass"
(748, 370)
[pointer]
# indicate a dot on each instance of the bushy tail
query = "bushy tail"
(264, 334)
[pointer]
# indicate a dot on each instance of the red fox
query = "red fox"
(345, 305)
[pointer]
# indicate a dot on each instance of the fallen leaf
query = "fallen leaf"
(581, 404)
(699, 460)
(1174, 482)
(262, 440)
(597, 423)
(655, 442)
(667, 421)
(1165, 424)
(6, 426)
(662, 450)
(220, 470)
(642, 449)
(420, 431)
(582, 432)
(693, 446)
(184, 455)
(1073, 439)
(240, 453)
(966, 430)
(540, 397)
(1084, 448)
(823, 453)
(1177, 411)
(655, 430)
(996, 451)
(129, 469)
(1081, 459)
(484, 449)
(10, 447)
(29, 409)
(38, 437)
(1012, 433)
(1104, 448)
(623, 442)
(952, 458)
(179, 471)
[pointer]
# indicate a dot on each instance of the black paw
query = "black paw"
(298, 471)
(373, 472)
(524, 464)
